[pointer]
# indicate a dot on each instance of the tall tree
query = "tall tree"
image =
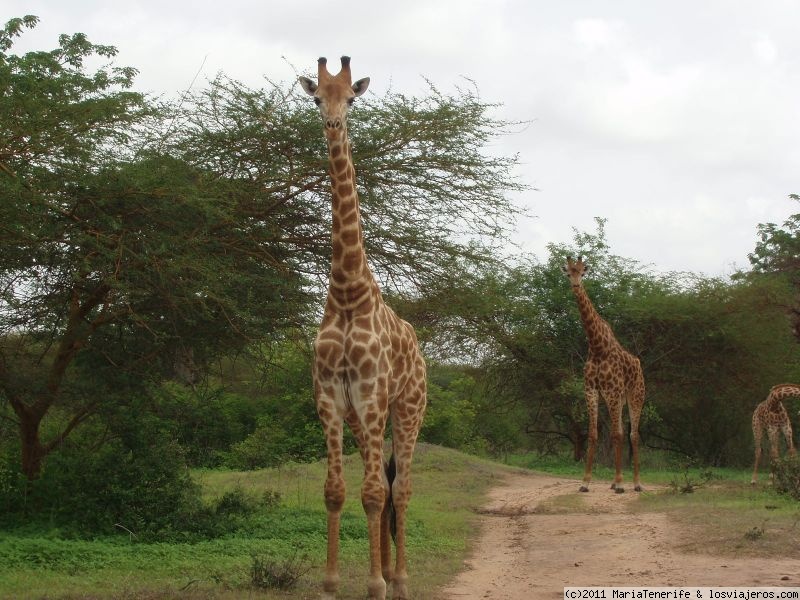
(117, 263)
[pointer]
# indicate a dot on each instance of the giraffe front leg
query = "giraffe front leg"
(617, 435)
(617, 486)
(757, 436)
(772, 434)
(334, 500)
(591, 406)
(787, 434)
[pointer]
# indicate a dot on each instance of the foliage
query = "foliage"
(134, 483)
(786, 472)
(451, 418)
(424, 179)
(777, 254)
(685, 484)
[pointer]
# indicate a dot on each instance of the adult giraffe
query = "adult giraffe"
(367, 364)
(610, 372)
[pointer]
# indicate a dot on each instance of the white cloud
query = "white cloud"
(597, 33)
(765, 49)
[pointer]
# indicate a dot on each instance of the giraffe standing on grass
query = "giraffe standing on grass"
(612, 373)
(772, 416)
(367, 364)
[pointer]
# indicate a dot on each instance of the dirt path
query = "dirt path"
(524, 553)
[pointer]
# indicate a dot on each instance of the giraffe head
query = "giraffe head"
(575, 270)
(334, 94)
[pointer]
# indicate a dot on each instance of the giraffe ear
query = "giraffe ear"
(309, 86)
(585, 268)
(564, 268)
(360, 86)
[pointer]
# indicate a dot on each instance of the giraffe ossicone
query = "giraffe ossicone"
(611, 373)
(368, 368)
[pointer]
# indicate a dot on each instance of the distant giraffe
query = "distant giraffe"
(772, 416)
(367, 364)
(612, 373)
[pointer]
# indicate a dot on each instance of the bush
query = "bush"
(267, 573)
(292, 436)
(146, 490)
(787, 476)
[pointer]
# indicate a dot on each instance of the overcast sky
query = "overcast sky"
(677, 121)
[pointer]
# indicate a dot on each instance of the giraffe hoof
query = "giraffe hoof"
(583, 489)
(638, 488)
(618, 489)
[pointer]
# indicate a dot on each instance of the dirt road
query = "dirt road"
(524, 553)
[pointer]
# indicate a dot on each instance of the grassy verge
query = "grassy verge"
(447, 487)
(727, 517)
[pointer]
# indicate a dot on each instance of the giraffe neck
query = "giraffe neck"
(783, 390)
(598, 332)
(351, 281)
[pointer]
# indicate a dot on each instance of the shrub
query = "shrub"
(787, 476)
(267, 573)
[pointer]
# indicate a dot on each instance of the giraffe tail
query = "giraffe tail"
(391, 471)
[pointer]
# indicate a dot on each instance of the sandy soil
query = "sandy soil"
(524, 553)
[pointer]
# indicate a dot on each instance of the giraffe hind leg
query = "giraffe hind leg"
(404, 437)
(388, 523)
(635, 412)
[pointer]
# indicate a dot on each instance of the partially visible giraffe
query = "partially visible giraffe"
(611, 372)
(367, 364)
(772, 416)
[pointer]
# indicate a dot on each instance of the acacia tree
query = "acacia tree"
(120, 259)
(138, 233)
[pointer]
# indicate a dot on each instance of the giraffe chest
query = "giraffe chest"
(616, 370)
(357, 347)
(368, 354)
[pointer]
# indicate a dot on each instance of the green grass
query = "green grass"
(448, 486)
(655, 468)
(747, 520)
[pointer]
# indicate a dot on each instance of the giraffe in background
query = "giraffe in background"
(367, 364)
(611, 372)
(772, 416)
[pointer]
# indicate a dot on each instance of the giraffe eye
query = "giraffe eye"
(350, 101)
(317, 101)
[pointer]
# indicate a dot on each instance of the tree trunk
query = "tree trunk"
(33, 452)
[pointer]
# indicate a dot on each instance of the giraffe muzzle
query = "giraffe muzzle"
(333, 123)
